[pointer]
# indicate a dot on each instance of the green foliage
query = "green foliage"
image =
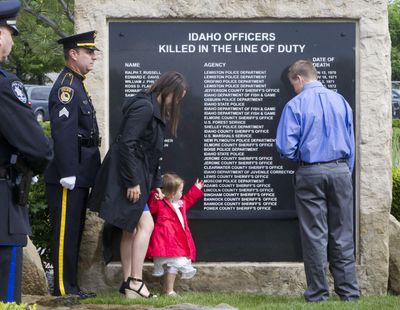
(396, 123)
(395, 60)
(394, 29)
(39, 216)
(396, 169)
(36, 51)
(39, 219)
(46, 128)
(396, 193)
(14, 306)
(394, 22)
(396, 147)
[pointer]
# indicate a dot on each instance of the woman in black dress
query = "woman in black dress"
(131, 169)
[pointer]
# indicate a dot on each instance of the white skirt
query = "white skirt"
(180, 264)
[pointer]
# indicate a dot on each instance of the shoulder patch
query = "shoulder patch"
(65, 94)
(19, 91)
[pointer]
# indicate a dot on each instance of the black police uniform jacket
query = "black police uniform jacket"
(73, 119)
(20, 134)
(133, 159)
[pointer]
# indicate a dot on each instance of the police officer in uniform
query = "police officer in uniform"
(24, 151)
(76, 159)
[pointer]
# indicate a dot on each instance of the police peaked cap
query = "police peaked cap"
(85, 40)
(8, 14)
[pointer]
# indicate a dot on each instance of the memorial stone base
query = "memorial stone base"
(286, 279)
(283, 278)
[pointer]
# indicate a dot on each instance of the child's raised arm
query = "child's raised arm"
(194, 193)
(199, 183)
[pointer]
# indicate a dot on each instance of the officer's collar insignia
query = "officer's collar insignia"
(19, 91)
(65, 94)
(64, 112)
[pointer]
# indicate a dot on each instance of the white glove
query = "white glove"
(68, 182)
(34, 180)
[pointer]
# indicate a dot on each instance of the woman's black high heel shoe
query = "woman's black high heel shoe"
(132, 293)
(124, 285)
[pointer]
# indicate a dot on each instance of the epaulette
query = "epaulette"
(6, 74)
(67, 79)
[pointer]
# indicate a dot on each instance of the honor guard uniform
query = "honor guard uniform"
(76, 160)
(24, 152)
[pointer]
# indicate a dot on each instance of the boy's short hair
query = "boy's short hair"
(171, 183)
(304, 68)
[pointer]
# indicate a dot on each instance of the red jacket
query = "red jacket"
(169, 238)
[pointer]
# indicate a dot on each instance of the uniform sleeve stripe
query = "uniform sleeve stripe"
(61, 242)
(12, 274)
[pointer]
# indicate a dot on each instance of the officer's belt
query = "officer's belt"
(3, 173)
(90, 142)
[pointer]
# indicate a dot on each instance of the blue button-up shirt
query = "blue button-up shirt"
(316, 126)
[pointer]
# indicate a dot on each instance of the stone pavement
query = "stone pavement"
(71, 302)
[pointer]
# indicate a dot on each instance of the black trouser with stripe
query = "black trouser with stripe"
(10, 273)
(67, 216)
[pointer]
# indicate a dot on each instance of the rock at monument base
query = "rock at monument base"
(34, 281)
(394, 260)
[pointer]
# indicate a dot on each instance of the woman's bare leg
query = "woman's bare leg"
(139, 249)
(126, 252)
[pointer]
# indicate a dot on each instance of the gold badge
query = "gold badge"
(65, 94)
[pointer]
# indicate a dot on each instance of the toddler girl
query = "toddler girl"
(171, 245)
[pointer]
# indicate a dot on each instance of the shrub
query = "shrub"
(14, 306)
(39, 216)
(396, 147)
(396, 123)
(46, 128)
(396, 193)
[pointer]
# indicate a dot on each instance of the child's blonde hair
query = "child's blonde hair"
(171, 183)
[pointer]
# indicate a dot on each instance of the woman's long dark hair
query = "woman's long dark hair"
(174, 83)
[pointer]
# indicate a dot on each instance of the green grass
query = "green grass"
(396, 147)
(252, 301)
